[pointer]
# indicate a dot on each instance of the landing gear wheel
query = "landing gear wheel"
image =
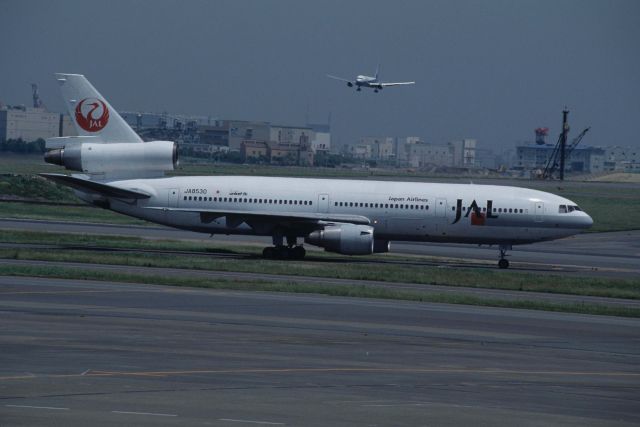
(503, 263)
(298, 252)
(269, 252)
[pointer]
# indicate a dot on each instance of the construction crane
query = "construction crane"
(562, 150)
(37, 102)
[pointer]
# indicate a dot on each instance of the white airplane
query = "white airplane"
(121, 173)
(370, 82)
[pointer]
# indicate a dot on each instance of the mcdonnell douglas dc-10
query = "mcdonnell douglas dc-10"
(370, 82)
(119, 171)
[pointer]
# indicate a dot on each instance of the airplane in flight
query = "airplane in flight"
(370, 82)
(120, 172)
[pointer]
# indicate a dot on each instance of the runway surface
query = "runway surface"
(614, 254)
(79, 353)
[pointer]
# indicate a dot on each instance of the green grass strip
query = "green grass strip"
(319, 267)
(331, 290)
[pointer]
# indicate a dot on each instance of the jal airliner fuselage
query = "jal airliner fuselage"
(403, 211)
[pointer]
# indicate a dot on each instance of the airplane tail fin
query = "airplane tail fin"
(91, 113)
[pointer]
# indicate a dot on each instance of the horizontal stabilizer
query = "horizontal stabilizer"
(95, 187)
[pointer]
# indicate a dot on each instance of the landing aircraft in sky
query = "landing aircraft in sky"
(370, 82)
(120, 172)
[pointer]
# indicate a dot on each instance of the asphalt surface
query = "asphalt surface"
(614, 254)
(78, 353)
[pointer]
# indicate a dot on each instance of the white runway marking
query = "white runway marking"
(37, 407)
(144, 413)
(251, 422)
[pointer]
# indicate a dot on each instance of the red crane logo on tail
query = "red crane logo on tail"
(92, 114)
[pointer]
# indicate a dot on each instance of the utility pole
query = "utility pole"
(563, 141)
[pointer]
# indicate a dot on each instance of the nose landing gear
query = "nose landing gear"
(503, 262)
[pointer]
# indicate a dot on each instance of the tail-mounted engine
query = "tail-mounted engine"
(117, 157)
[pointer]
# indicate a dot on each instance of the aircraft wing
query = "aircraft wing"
(95, 187)
(340, 78)
(381, 85)
(239, 216)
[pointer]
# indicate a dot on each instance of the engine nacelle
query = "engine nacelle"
(116, 157)
(346, 239)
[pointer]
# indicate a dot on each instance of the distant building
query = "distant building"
(242, 130)
(28, 124)
(423, 154)
(374, 148)
(622, 159)
(403, 147)
(464, 153)
(532, 157)
(256, 150)
(322, 137)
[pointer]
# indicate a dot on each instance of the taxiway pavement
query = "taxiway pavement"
(99, 353)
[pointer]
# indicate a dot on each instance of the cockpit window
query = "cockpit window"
(568, 208)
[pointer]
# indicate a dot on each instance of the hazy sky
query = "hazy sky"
(491, 70)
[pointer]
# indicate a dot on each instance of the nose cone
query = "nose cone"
(584, 221)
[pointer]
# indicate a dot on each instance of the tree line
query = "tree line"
(22, 147)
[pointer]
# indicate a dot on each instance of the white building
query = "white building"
(464, 152)
(28, 124)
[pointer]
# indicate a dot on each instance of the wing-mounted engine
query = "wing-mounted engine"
(132, 159)
(346, 239)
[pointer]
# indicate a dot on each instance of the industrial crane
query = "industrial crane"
(562, 150)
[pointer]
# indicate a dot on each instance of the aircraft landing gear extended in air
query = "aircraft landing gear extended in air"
(279, 251)
(359, 89)
(503, 262)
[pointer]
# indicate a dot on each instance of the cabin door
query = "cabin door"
(539, 211)
(323, 203)
(172, 201)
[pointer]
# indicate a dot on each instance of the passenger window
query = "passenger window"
(386, 205)
(310, 203)
(396, 206)
(185, 197)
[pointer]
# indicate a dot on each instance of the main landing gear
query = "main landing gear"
(279, 251)
(283, 252)
(503, 262)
